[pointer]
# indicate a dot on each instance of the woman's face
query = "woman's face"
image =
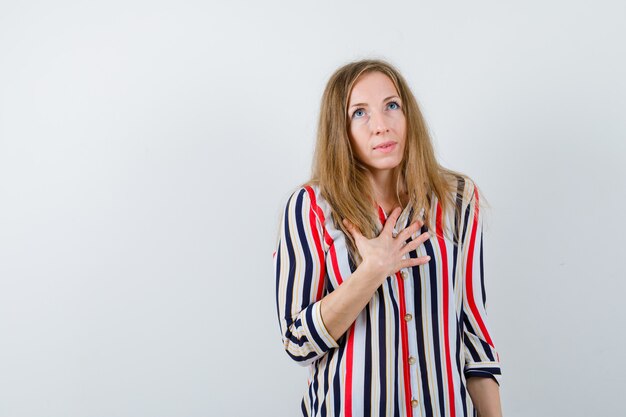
(377, 126)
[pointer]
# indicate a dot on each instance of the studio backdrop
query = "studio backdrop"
(147, 150)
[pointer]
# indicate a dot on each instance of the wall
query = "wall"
(147, 150)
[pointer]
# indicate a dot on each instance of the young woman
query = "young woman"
(379, 272)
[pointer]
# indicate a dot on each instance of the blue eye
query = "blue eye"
(393, 106)
(358, 114)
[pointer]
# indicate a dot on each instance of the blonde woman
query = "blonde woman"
(379, 278)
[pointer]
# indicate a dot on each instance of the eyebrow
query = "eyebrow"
(365, 104)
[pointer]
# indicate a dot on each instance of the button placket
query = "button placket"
(412, 353)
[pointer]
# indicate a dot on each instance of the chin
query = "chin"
(391, 164)
(386, 166)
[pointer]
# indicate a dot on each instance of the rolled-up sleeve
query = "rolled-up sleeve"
(481, 357)
(299, 264)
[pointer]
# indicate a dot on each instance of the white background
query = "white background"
(147, 149)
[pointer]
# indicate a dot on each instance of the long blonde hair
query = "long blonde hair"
(343, 181)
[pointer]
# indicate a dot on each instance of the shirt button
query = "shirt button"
(414, 403)
(405, 274)
(411, 360)
(408, 317)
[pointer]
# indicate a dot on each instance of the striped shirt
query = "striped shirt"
(422, 334)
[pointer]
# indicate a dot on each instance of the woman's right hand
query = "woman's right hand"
(384, 255)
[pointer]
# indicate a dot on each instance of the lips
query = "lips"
(386, 147)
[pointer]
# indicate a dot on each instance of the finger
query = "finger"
(391, 220)
(411, 262)
(410, 247)
(410, 231)
(356, 234)
(415, 243)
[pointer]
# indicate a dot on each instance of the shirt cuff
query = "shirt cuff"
(316, 331)
(484, 370)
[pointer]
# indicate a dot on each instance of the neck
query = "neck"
(384, 189)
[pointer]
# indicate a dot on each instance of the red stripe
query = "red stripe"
(333, 258)
(445, 308)
(469, 278)
(349, 362)
(381, 215)
(405, 347)
(316, 238)
(327, 238)
(320, 214)
(404, 334)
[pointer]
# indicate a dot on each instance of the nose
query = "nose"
(378, 123)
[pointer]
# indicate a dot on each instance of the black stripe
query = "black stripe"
(483, 373)
(278, 278)
(303, 408)
(457, 219)
(434, 316)
(455, 252)
(308, 257)
(328, 359)
(486, 348)
(473, 352)
(482, 272)
(459, 335)
(492, 370)
(290, 278)
(419, 331)
(468, 344)
(382, 351)
(308, 316)
(292, 270)
(459, 326)
(465, 221)
(336, 381)
(301, 341)
(367, 378)
(299, 358)
(397, 349)
(315, 386)
(460, 189)
(351, 262)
